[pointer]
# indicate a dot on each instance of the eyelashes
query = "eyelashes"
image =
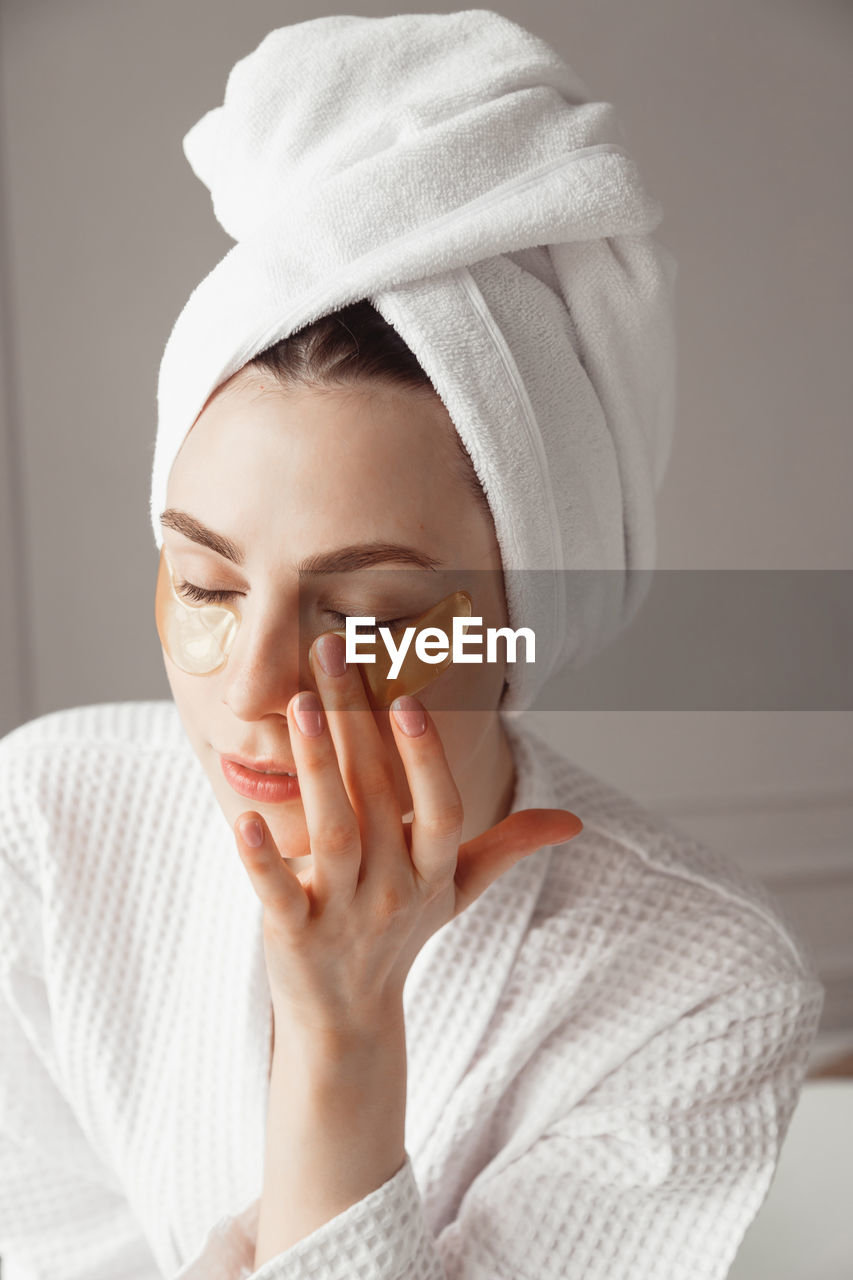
(341, 618)
(201, 595)
(191, 592)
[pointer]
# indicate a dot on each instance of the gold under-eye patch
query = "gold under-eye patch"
(414, 674)
(199, 637)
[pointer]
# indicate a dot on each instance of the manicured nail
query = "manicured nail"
(332, 652)
(252, 833)
(410, 715)
(309, 714)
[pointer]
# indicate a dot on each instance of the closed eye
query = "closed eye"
(341, 619)
(203, 595)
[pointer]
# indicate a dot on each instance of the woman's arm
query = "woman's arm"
(340, 938)
(335, 1128)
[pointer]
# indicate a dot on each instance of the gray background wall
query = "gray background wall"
(738, 112)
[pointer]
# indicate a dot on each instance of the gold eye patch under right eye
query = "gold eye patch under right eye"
(197, 637)
(414, 674)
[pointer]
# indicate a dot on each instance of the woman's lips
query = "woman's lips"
(268, 788)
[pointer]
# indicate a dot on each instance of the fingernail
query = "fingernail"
(252, 833)
(332, 652)
(309, 714)
(410, 715)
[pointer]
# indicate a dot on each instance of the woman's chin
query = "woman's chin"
(288, 831)
(286, 822)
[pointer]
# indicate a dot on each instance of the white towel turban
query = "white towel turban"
(452, 169)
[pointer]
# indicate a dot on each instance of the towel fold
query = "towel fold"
(453, 169)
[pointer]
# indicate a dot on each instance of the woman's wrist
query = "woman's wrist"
(344, 1038)
(335, 1126)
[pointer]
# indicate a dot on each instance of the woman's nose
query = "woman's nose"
(266, 667)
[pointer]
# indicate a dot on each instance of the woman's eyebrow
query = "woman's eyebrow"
(343, 560)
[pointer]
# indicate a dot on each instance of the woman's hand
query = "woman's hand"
(341, 936)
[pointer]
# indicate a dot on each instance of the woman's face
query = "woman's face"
(288, 475)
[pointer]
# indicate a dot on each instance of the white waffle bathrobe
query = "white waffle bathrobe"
(604, 1050)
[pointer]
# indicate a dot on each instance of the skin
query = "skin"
(350, 891)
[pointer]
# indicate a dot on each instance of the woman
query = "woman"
(420, 1023)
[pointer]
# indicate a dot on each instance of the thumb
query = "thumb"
(484, 859)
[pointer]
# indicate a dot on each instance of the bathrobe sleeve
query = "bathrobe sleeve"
(62, 1214)
(655, 1175)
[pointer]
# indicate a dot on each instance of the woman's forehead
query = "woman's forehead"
(368, 428)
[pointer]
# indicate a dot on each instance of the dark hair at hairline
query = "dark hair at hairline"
(356, 345)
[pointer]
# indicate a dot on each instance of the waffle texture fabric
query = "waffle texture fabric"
(604, 1050)
(456, 171)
